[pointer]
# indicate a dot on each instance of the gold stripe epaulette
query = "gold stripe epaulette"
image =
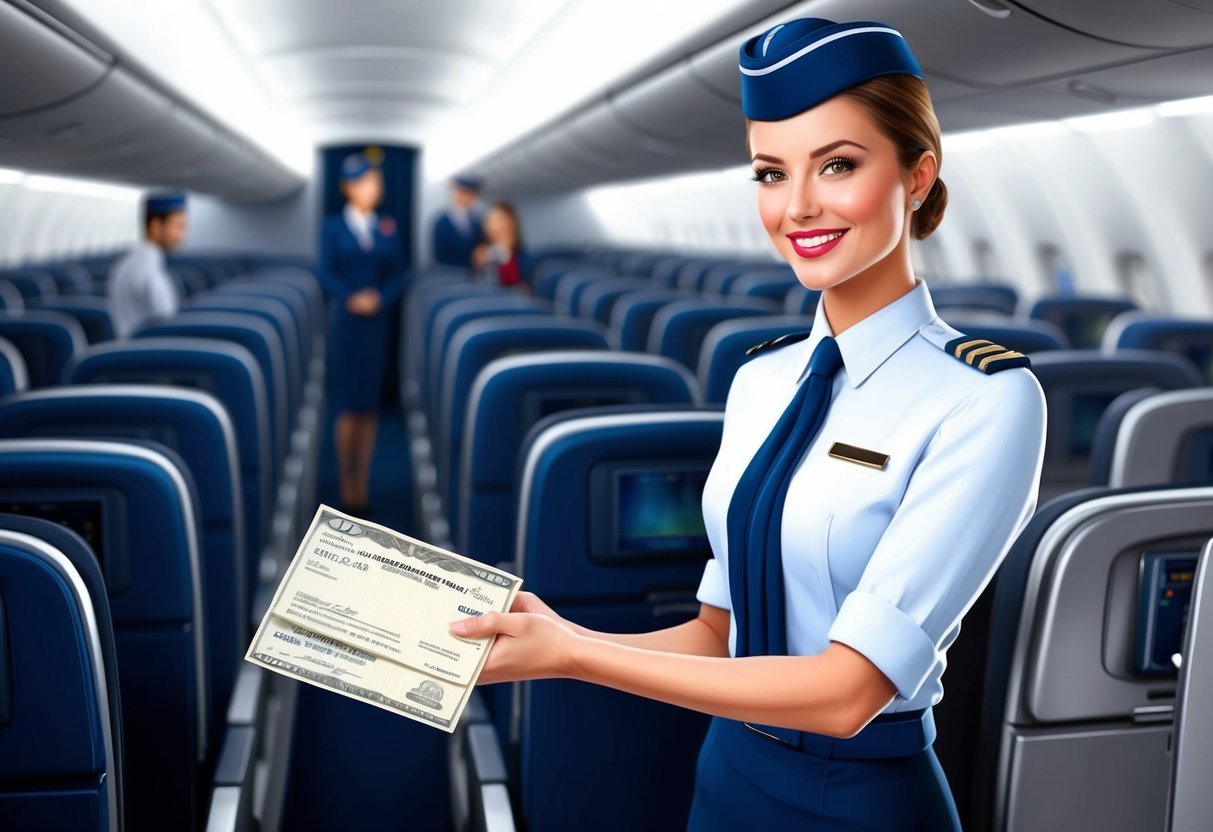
(983, 354)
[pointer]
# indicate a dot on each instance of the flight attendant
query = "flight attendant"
(361, 267)
(872, 474)
(140, 288)
(501, 256)
(458, 230)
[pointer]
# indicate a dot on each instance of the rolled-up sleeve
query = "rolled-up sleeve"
(713, 589)
(971, 493)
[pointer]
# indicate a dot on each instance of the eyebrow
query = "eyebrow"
(821, 151)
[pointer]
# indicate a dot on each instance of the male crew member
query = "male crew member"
(458, 229)
(140, 287)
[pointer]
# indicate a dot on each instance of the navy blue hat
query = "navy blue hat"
(164, 202)
(797, 65)
(472, 183)
(354, 166)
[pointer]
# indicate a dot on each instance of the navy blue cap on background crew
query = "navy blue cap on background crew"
(471, 183)
(164, 202)
(797, 65)
(354, 166)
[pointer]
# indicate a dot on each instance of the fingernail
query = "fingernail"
(459, 627)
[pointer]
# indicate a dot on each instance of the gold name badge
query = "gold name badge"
(860, 456)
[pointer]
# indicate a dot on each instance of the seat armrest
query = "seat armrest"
(231, 807)
(486, 764)
(495, 814)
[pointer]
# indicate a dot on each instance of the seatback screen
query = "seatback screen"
(660, 510)
(1164, 597)
(84, 517)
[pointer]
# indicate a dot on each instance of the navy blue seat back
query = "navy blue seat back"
(46, 340)
(678, 328)
(260, 339)
(135, 507)
(771, 284)
(226, 371)
(1078, 386)
(801, 301)
(1189, 337)
(987, 297)
(717, 278)
(473, 346)
(301, 280)
(447, 322)
(290, 297)
(567, 289)
(596, 300)
(91, 313)
(632, 315)
(725, 344)
(13, 378)
(1082, 319)
(1024, 335)
(510, 396)
(61, 753)
(10, 297)
(190, 280)
(197, 427)
(611, 536)
(422, 301)
(33, 284)
(278, 315)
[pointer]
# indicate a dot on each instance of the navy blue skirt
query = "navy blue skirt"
(745, 780)
(357, 358)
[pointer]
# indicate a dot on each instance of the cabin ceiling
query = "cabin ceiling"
(536, 95)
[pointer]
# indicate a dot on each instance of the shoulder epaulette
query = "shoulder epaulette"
(985, 355)
(781, 341)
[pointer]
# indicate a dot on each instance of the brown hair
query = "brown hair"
(901, 107)
(508, 209)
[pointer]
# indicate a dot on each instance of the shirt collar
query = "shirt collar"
(867, 343)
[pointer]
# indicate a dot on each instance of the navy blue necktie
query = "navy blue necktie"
(756, 511)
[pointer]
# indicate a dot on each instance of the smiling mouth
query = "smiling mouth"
(816, 245)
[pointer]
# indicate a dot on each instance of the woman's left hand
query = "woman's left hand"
(528, 645)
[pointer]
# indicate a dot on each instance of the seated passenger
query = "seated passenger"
(140, 287)
(501, 258)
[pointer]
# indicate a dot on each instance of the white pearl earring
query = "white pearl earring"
(915, 205)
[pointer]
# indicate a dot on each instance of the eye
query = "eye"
(838, 166)
(768, 175)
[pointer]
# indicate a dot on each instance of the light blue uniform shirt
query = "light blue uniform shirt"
(887, 561)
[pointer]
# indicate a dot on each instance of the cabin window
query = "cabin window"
(1137, 281)
(1055, 269)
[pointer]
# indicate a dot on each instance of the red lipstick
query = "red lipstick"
(816, 241)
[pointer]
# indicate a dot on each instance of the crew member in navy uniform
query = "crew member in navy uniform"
(139, 288)
(361, 267)
(458, 230)
(872, 474)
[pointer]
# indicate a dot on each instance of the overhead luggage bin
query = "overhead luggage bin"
(1174, 25)
(54, 65)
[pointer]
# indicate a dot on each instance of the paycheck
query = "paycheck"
(366, 611)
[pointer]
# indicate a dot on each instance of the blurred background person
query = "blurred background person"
(361, 267)
(502, 258)
(458, 230)
(139, 287)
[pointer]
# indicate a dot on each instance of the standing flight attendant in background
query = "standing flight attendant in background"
(361, 267)
(458, 229)
(855, 510)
